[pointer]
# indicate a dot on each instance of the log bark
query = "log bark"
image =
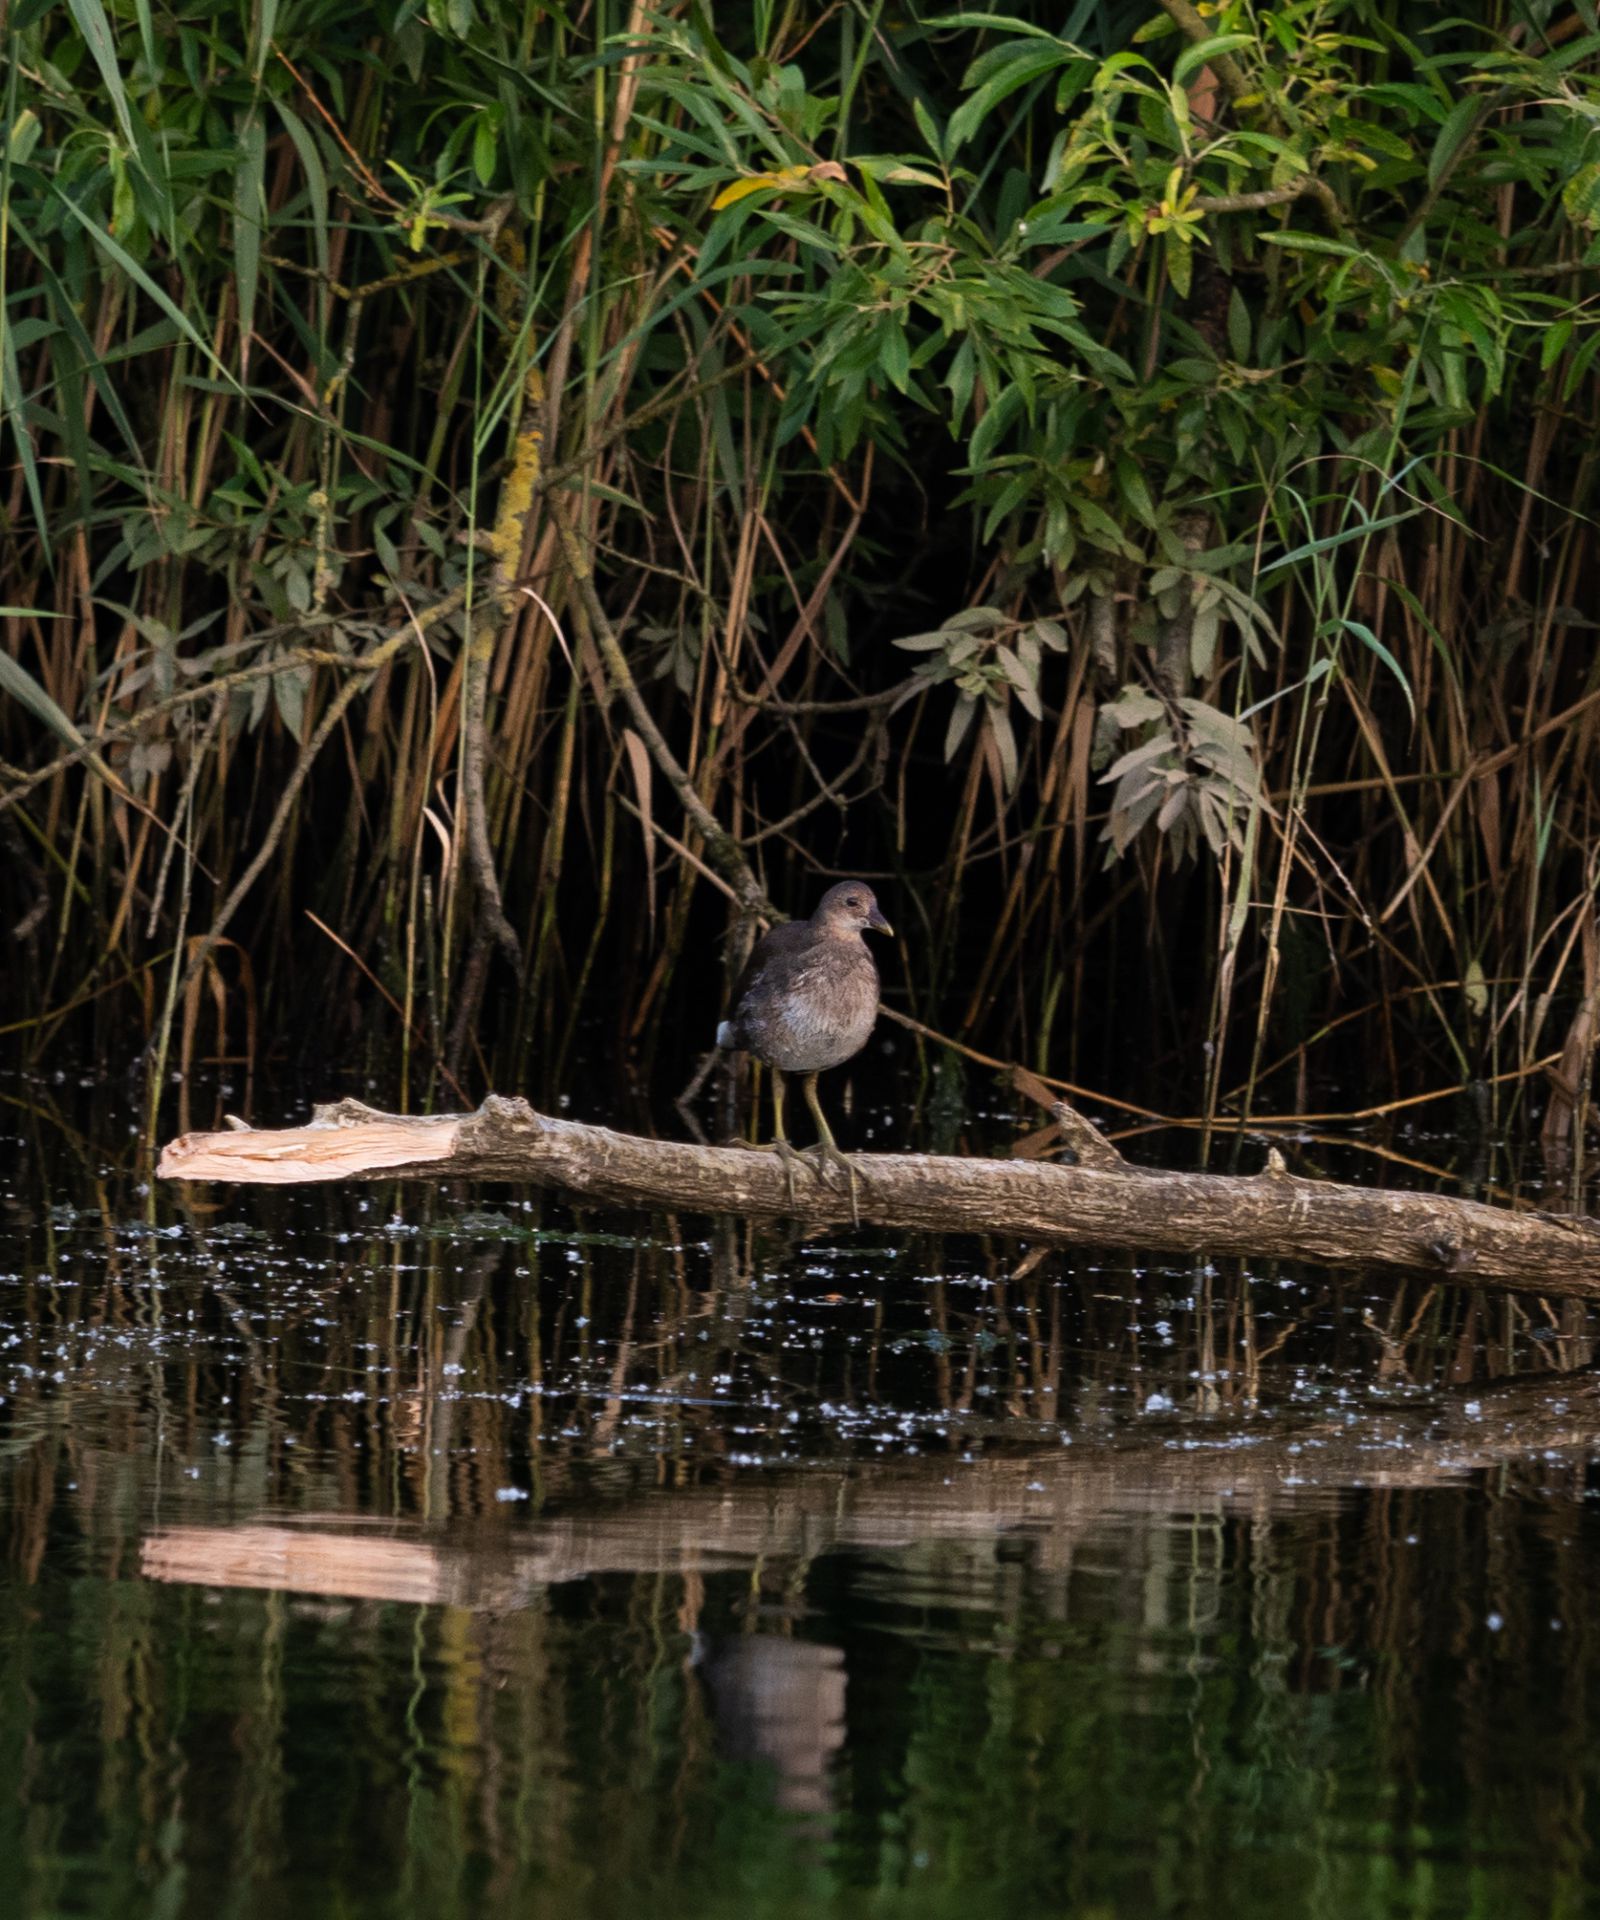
(1268, 1215)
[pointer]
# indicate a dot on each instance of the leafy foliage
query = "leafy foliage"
(1222, 382)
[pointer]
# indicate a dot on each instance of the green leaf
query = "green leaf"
(1133, 707)
(960, 720)
(92, 23)
(1360, 531)
(289, 695)
(1238, 326)
(16, 681)
(1579, 365)
(1218, 728)
(13, 407)
(1134, 490)
(1580, 197)
(1100, 526)
(1026, 65)
(1144, 756)
(960, 380)
(1460, 124)
(1000, 22)
(900, 175)
(1371, 641)
(894, 356)
(1005, 743)
(928, 127)
(316, 178)
(485, 149)
(1298, 242)
(1203, 632)
(266, 25)
(249, 217)
(1554, 344)
(125, 263)
(23, 137)
(1023, 682)
(1203, 51)
(1459, 306)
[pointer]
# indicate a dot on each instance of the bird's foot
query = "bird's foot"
(825, 1155)
(790, 1157)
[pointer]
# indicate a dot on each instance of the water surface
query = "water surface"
(382, 1552)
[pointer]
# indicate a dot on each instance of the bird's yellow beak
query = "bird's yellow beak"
(877, 923)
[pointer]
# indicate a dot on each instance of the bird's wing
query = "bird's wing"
(784, 945)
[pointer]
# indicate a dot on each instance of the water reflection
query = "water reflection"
(968, 1504)
(779, 1702)
(385, 1554)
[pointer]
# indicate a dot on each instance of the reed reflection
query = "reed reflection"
(639, 1569)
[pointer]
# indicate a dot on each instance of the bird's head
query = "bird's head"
(850, 908)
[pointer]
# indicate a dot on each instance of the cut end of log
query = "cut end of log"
(344, 1138)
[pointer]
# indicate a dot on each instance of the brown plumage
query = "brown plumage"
(808, 998)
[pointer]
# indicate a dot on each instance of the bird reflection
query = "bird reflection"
(781, 1702)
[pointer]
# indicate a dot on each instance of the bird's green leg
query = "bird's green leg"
(779, 1144)
(780, 1139)
(827, 1148)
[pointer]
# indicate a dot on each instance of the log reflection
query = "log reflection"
(1050, 1498)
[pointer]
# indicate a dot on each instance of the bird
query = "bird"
(805, 1002)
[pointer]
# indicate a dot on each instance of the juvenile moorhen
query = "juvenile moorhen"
(805, 1002)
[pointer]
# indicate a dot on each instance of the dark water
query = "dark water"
(394, 1552)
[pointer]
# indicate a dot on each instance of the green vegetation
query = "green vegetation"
(478, 476)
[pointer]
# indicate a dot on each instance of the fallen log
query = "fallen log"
(1269, 1215)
